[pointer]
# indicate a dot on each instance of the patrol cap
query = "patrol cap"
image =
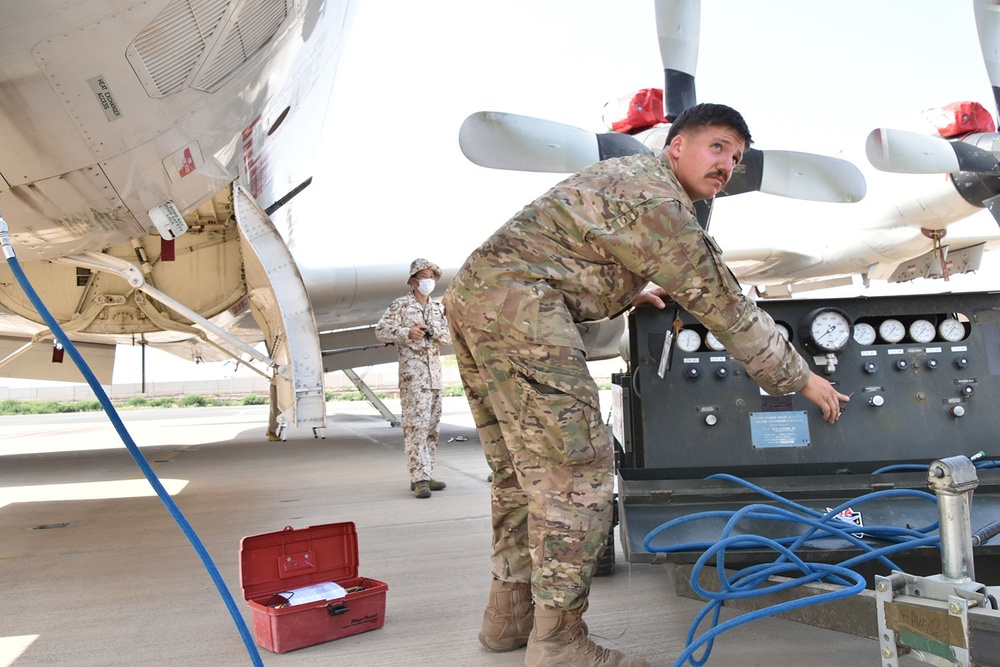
(419, 264)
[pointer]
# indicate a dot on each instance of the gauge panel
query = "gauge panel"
(926, 395)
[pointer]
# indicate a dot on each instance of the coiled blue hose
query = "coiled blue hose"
(748, 582)
(133, 450)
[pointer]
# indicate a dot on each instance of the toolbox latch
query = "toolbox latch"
(337, 609)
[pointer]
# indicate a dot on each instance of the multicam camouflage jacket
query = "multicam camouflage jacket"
(583, 250)
(419, 360)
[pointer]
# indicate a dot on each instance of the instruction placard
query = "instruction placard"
(779, 429)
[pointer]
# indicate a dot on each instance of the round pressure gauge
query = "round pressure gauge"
(864, 333)
(783, 331)
(951, 330)
(688, 340)
(891, 331)
(921, 331)
(825, 330)
(712, 343)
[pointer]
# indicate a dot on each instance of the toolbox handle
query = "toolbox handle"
(338, 609)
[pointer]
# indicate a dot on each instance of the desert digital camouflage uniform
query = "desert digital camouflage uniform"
(419, 377)
(581, 252)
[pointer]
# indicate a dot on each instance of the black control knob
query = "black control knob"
(691, 372)
(932, 364)
(722, 372)
(961, 362)
(902, 364)
(870, 367)
(968, 390)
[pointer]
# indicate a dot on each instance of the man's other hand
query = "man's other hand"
(656, 296)
(819, 391)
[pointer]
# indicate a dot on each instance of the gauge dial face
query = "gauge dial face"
(864, 333)
(688, 340)
(713, 343)
(783, 331)
(921, 331)
(951, 330)
(826, 330)
(891, 331)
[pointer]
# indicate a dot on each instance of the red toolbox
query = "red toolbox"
(280, 562)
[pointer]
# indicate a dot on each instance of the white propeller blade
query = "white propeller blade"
(988, 25)
(902, 152)
(678, 26)
(509, 141)
(811, 177)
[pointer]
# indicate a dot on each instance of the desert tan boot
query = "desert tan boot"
(559, 639)
(508, 617)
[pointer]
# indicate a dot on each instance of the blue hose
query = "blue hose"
(133, 450)
(748, 582)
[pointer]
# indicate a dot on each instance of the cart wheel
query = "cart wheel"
(606, 563)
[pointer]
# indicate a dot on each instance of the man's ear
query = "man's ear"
(675, 147)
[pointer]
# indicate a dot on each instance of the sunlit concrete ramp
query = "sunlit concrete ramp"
(96, 572)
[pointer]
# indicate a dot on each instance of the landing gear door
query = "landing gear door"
(288, 324)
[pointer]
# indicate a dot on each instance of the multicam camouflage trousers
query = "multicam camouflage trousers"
(537, 413)
(420, 420)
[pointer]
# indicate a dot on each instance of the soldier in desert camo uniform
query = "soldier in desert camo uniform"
(620, 233)
(417, 326)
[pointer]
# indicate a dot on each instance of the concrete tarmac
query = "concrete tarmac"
(96, 572)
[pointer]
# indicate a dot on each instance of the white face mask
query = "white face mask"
(425, 286)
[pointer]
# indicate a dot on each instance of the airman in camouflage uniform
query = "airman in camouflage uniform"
(417, 326)
(583, 251)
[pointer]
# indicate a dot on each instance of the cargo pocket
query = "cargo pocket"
(537, 313)
(557, 425)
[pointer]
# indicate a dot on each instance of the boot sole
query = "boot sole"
(502, 646)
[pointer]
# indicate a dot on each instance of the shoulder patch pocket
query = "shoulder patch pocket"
(603, 225)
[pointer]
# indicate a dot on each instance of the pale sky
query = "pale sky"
(393, 183)
(807, 76)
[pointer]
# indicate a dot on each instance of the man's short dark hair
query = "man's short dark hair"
(703, 115)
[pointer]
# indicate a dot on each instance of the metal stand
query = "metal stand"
(931, 615)
(372, 398)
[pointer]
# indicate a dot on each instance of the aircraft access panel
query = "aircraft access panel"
(923, 373)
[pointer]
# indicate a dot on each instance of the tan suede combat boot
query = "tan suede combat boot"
(559, 639)
(508, 617)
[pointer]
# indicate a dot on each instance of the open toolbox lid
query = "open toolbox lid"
(293, 558)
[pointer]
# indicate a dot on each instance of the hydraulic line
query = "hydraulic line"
(753, 581)
(130, 445)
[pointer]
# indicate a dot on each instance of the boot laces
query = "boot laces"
(601, 654)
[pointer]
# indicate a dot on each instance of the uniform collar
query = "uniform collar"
(669, 174)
